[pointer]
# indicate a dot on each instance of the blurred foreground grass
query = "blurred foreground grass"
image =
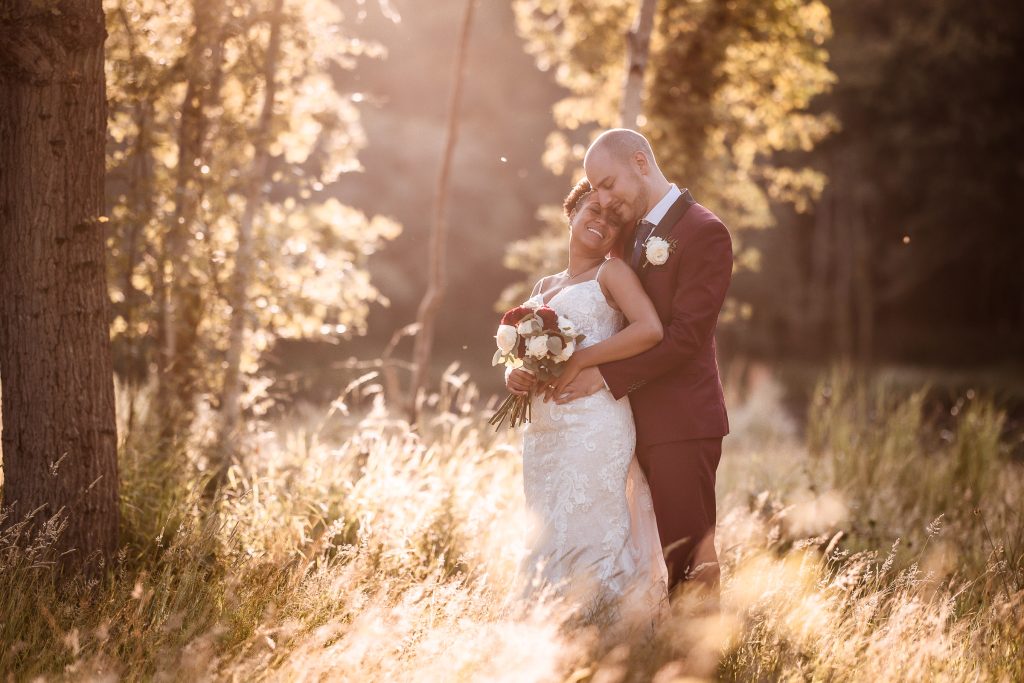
(879, 544)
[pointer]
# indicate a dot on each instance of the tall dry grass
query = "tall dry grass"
(885, 544)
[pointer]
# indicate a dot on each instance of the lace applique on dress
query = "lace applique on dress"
(592, 516)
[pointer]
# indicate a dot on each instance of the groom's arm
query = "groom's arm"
(704, 273)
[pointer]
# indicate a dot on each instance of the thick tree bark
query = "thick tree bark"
(59, 435)
(437, 277)
(638, 41)
(231, 412)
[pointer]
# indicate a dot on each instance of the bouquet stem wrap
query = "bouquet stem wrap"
(516, 408)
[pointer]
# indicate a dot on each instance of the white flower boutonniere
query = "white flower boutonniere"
(657, 250)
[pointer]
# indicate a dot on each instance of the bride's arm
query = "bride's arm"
(644, 330)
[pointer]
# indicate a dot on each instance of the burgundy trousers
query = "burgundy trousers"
(681, 475)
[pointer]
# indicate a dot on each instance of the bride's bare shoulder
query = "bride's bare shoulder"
(616, 269)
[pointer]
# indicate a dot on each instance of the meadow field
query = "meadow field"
(870, 540)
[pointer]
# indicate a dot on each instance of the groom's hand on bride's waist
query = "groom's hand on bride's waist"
(588, 382)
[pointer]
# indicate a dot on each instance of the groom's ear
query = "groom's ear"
(641, 162)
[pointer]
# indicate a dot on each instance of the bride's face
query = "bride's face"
(592, 228)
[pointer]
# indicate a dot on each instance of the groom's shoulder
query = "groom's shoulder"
(701, 215)
(702, 228)
(700, 219)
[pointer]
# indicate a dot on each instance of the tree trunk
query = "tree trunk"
(59, 434)
(134, 366)
(842, 293)
(231, 412)
(141, 193)
(862, 284)
(638, 42)
(437, 277)
(181, 304)
(818, 284)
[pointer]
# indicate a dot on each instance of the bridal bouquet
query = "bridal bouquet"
(538, 340)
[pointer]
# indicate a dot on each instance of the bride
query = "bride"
(594, 534)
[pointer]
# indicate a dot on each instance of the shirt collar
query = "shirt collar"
(655, 215)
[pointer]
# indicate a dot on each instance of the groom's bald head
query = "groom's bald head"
(621, 168)
(621, 144)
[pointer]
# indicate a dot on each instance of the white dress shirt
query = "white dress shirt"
(655, 215)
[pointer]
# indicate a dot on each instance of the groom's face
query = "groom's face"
(619, 186)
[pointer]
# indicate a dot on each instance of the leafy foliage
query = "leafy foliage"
(310, 278)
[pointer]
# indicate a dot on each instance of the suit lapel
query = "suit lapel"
(675, 212)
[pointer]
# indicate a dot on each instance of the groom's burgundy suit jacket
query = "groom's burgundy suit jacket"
(674, 388)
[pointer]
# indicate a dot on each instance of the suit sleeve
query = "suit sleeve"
(703, 277)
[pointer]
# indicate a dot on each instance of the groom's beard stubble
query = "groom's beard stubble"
(638, 208)
(628, 214)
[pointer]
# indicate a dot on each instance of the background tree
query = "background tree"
(59, 440)
(437, 275)
(231, 407)
(638, 41)
(177, 284)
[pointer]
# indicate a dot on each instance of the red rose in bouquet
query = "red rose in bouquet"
(514, 316)
(549, 318)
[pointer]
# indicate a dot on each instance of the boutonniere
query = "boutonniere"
(657, 250)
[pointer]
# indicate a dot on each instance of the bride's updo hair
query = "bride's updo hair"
(574, 200)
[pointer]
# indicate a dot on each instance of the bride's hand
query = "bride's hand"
(520, 382)
(571, 372)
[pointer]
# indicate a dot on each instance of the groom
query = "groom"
(674, 388)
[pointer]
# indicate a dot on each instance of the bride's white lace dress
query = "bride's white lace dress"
(593, 535)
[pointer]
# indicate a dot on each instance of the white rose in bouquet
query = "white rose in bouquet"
(565, 327)
(506, 338)
(526, 327)
(537, 347)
